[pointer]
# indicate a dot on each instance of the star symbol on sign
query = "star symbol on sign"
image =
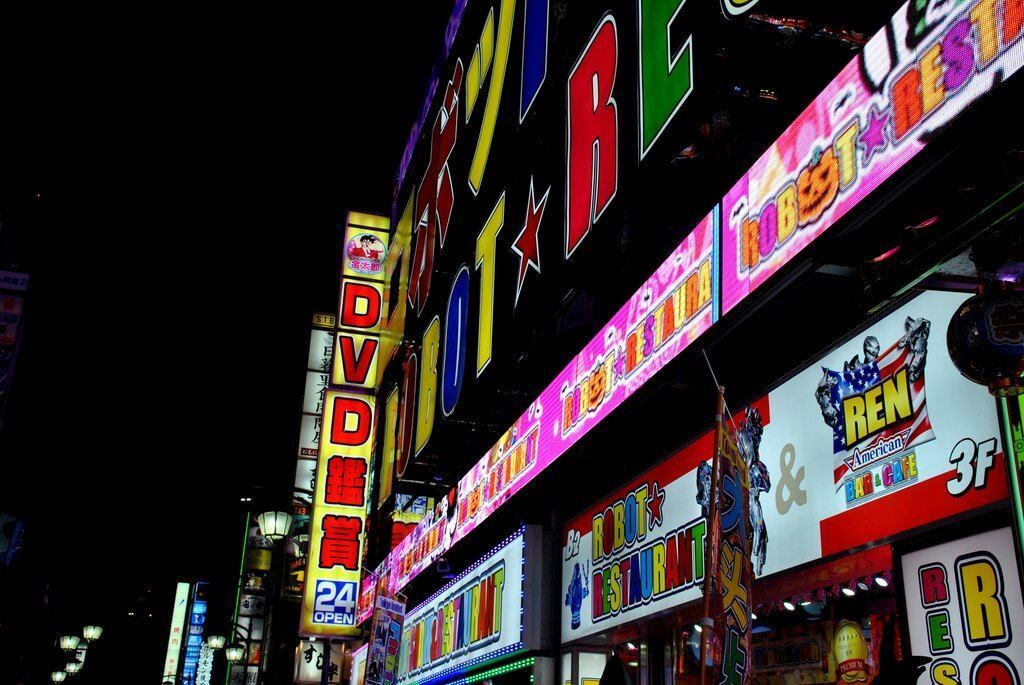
(873, 139)
(525, 245)
(654, 504)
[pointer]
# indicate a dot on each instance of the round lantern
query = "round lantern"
(986, 339)
(234, 653)
(69, 643)
(275, 524)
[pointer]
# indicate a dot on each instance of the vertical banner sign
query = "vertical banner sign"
(385, 638)
(345, 458)
(318, 365)
(178, 614)
(731, 602)
(205, 670)
(11, 305)
(964, 609)
(196, 632)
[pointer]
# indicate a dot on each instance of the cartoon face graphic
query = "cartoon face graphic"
(817, 187)
(365, 254)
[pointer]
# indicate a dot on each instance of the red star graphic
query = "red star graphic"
(654, 503)
(525, 244)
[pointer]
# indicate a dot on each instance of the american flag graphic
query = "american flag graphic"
(859, 377)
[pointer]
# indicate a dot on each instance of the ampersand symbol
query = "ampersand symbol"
(789, 490)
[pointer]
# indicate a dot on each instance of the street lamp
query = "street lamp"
(73, 667)
(216, 641)
(58, 676)
(69, 643)
(92, 632)
(234, 653)
(275, 524)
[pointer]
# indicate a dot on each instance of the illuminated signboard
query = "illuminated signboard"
(196, 632)
(175, 639)
(344, 460)
(847, 454)
(964, 609)
(913, 77)
(661, 319)
(485, 612)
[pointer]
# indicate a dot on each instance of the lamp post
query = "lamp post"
(58, 676)
(234, 653)
(73, 667)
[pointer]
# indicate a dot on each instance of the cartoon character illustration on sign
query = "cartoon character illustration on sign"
(366, 254)
(916, 340)
(876, 409)
(748, 440)
(576, 593)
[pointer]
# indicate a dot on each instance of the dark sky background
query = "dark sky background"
(174, 183)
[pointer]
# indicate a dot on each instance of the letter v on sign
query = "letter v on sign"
(355, 360)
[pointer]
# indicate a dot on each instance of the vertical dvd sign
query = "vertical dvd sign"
(344, 463)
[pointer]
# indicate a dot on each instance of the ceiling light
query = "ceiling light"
(880, 581)
(849, 591)
(789, 606)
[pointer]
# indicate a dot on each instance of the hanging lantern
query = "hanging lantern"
(58, 676)
(275, 524)
(73, 667)
(69, 642)
(234, 653)
(986, 339)
(92, 632)
(216, 641)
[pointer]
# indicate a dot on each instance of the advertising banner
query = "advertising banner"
(481, 614)
(358, 674)
(639, 550)
(385, 638)
(196, 632)
(175, 639)
(964, 609)
(342, 478)
(661, 319)
(912, 78)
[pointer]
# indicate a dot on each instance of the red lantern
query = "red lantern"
(986, 339)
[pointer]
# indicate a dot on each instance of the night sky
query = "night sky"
(174, 183)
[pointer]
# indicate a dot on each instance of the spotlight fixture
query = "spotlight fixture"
(753, 616)
(849, 591)
(789, 606)
(805, 603)
(698, 628)
(880, 581)
(863, 586)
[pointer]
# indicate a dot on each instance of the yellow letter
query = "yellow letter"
(485, 260)
(490, 118)
(846, 152)
(853, 417)
(984, 606)
(428, 385)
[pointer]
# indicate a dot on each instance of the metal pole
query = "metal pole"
(707, 623)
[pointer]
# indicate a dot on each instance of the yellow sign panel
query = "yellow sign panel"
(337, 526)
(365, 253)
